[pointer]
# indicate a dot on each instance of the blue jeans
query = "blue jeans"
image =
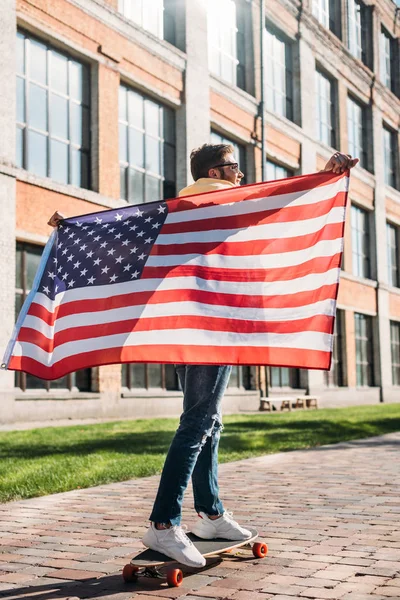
(194, 448)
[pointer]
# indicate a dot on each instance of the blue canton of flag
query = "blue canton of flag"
(102, 248)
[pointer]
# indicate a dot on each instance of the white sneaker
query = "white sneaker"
(224, 527)
(174, 543)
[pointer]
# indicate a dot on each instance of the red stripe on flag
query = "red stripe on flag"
(169, 354)
(266, 217)
(254, 191)
(319, 323)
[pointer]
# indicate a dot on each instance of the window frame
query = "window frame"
(390, 156)
(393, 231)
(166, 25)
(271, 90)
(364, 350)
(395, 351)
(360, 251)
(332, 126)
(25, 127)
(337, 375)
(358, 142)
(22, 378)
(127, 377)
(164, 137)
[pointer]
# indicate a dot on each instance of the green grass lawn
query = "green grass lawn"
(57, 459)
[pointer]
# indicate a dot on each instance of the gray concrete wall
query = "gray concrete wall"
(7, 192)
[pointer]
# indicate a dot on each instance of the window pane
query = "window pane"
(34, 383)
(123, 144)
(136, 188)
(37, 153)
(38, 62)
(123, 104)
(137, 375)
(19, 301)
(153, 189)
(19, 148)
(59, 161)
(135, 110)
(136, 148)
(76, 82)
(59, 73)
(59, 117)
(154, 375)
(152, 155)
(152, 118)
(20, 100)
(32, 260)
(37, 107)
(171, 382)
(20, 53)
(122, 182)
(18, 268)
(83, 380)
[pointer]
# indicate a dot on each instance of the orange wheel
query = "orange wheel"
(174, 577)
(260, 550)
(129, 573)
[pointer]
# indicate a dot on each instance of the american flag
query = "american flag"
(243, 276)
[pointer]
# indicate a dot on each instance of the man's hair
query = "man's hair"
(207, 156)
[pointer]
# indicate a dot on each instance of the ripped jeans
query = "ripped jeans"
(194, 448)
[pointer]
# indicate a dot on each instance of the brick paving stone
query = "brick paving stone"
(330, 516)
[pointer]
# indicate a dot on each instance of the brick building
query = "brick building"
(100, 104)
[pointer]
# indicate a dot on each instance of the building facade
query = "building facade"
(101, 104)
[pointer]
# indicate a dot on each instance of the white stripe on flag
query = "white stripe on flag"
(185, 308)
(309, 340)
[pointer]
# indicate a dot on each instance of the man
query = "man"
(194, 449)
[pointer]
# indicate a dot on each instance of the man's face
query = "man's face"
(228, 170)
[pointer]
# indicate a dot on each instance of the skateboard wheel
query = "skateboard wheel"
(260, 550)
(129, 573)
(174, 577)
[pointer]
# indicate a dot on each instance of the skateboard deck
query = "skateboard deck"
(147, 562)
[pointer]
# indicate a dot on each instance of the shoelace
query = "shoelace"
(180, 533)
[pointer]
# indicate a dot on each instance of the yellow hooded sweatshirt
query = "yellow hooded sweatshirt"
(205, 184)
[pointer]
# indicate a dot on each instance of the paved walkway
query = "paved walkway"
(331, 517)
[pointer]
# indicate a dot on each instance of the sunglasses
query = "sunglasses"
(233, 166)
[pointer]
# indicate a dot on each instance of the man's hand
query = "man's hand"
(339, 162)
(55, 219)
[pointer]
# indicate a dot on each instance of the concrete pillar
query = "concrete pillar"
(382, 351)
(7, 195)
(193, 118)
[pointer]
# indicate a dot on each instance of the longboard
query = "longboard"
(147, 562)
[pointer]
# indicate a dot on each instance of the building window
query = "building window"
(360, 242)
(27, 262)
(393, 254)
(156, 16)
(336, 376)
(388, 60)
(364, 353)
(327, 12)
(53, 113)
(279, 74)
(359, 31)
(357, 131)
(146, 376)
(395, 351)
(275, 171)
(390, 156)
(226, 40)
(146, 148)
(284, 377)
(325, 117)
(239, 151)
